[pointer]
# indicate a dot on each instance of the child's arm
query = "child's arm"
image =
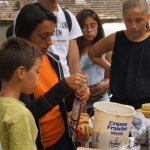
(102, 62)
(98, 89)
(101, 47)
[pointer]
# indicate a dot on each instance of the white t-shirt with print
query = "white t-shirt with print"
(62, 36)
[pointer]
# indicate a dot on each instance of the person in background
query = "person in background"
(64, 37)
(19, 72)
(130, 74)
(98, 78)
(48, 100)
(64, 41)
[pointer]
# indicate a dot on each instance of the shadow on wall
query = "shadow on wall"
(3, 29)
(113, 27)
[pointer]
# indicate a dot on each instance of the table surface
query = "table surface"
(83, 148)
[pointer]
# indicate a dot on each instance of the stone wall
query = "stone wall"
(107, 9)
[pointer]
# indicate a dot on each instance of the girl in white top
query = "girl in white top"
(64, 41)
(62, 37)
(98, 78)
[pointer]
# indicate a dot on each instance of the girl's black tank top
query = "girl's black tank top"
(130, 69)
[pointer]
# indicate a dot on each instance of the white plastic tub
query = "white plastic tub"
(112, 123)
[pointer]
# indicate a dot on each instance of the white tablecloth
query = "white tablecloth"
(135, 148)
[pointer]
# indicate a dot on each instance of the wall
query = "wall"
(113, 27)
(3, 29)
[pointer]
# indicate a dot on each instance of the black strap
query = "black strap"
(68, 19)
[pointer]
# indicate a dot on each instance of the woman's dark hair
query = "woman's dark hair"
(81, 17)
(30, 16)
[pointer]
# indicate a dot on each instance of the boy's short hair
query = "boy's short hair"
(16, 52)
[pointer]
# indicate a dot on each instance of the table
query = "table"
(83, 148)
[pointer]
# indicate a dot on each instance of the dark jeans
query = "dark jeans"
(90, 111)
(64, 143)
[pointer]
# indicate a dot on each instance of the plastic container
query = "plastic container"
(112, 124)
(76, 104)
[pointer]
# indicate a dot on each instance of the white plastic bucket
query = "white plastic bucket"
(112, 124)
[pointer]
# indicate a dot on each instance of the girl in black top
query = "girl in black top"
(129, 74)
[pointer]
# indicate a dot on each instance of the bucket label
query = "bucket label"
(117, 129)
(115, 143)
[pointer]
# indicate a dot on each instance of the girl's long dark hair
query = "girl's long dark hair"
(81, 17)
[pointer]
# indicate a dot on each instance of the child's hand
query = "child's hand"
(97, 90)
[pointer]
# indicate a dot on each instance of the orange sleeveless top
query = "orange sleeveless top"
(51, 124)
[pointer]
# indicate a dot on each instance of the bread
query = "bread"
(146, 106)
(145, 110)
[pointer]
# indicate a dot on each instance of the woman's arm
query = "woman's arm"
(57, 93)
(48, 101)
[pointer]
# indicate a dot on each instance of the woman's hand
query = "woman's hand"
(85, 97)
(76, 81)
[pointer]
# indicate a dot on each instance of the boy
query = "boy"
(19, 72)
(64, 41)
